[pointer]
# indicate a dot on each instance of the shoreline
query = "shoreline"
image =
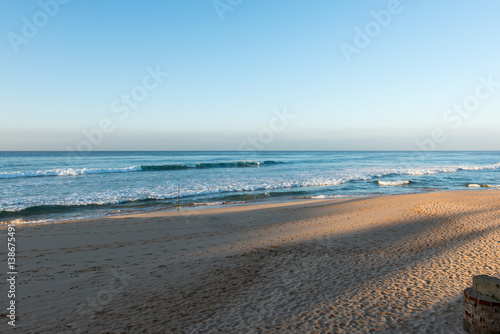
(203, 206)
(185, 208)
(390, 263)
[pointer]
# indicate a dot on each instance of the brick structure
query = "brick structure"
(481, 306)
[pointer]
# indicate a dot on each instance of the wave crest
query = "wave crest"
(67, 172)
(142, 168)
(475, 185)
(208, 165)
(393, 183)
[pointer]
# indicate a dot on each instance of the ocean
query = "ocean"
(49, 186)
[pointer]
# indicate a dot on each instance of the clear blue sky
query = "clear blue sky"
(227, 76)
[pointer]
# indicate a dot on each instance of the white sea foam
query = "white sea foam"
(217, 203)
(445, 169)
(50, 220)
(475, 185)
(207, 203)
(326, 196)
(393, 183)
(68, 172)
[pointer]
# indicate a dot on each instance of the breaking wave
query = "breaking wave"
(393, 183)
(142, 168)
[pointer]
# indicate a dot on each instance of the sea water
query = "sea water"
(47, 186)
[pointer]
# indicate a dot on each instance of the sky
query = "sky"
(244, 75)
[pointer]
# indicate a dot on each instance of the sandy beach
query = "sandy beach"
(388, 264)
